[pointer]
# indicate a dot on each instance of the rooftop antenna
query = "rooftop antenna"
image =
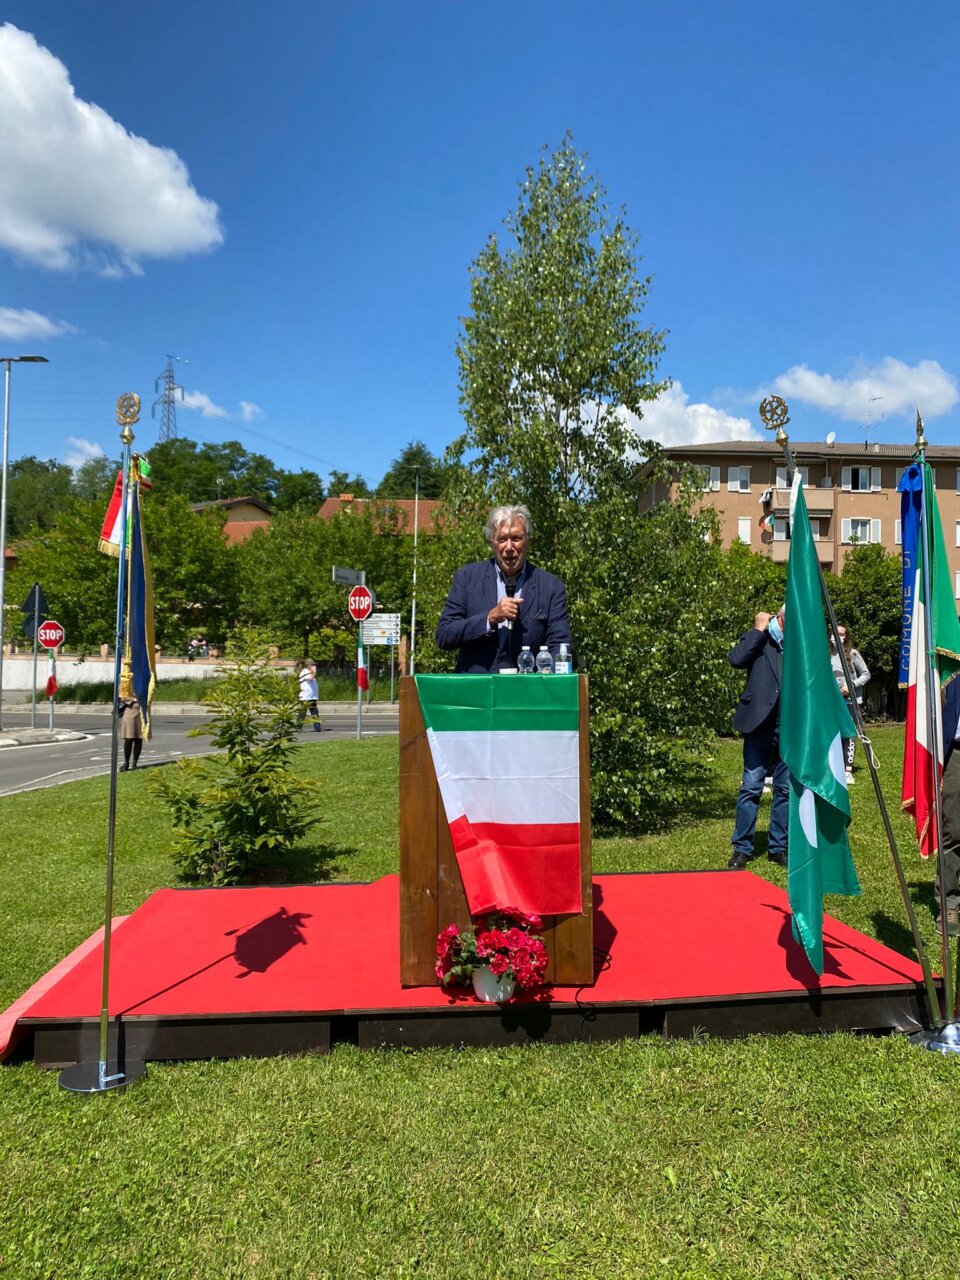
(871, 421)
(167, 400)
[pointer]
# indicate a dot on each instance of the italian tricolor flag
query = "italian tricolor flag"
(921, 757)
(506, 751)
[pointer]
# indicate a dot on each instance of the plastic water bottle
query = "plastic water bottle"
(545, 661)
(525, 661)
(562, 665)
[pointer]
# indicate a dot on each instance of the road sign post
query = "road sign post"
(50, 634)
(360, 606)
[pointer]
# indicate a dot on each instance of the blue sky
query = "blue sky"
(288, 197)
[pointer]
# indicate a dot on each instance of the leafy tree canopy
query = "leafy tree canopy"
(37, 491)
(207, 472)
(340, 482)
(400, 480)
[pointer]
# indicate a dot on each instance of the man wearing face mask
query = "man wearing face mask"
(759, 652)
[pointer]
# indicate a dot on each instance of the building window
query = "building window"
(782, 477)
(897, 537)
(781, 530)
(711, 479)
(958, 479)
(815, 528)
(956, 586)
(957, 534)
(860, 531)
(743, 530)
(860, 479)
(738, 479)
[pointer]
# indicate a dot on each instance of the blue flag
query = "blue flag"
(140, 639)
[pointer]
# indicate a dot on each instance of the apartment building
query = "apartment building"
(851, 493)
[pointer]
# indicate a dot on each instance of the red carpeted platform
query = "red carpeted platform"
(222, 972)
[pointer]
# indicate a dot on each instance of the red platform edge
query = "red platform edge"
(304, 949)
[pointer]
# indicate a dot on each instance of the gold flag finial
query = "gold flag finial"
(921, 442)
(128, 412)
(775, 416)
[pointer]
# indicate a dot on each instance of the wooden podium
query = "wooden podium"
(431, 890)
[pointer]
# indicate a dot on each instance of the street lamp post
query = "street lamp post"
(7, 361)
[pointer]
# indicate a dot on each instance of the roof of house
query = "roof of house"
(406, 506)
(240, 530)
(812, 449)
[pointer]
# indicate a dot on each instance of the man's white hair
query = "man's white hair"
(506, 515)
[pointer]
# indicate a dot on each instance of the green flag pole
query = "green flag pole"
(774, 415)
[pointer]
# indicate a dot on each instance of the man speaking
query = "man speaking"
(497, 606)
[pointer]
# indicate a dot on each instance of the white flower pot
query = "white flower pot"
(490, 988)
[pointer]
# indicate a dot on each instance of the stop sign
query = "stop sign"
(51, 634)
(360, 603)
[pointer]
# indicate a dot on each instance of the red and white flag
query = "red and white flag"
(923, 758)
(363, 680)
(110, 533)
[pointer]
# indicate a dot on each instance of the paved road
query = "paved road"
(32, 766)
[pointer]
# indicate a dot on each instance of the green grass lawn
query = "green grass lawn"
(829, 1156)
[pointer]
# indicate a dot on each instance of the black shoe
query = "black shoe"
(738, 861)
(124, 768)
(779, 858)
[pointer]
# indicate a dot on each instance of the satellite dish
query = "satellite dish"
(831, 437)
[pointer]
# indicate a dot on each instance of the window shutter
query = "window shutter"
(874, 531)
(874, 478)
(958, 479)
(744, 475)
(733, 479)
(845, 478)
(715, 479)
(899, 540)
(957, 534)
(956, 587)
(844, 530)
(781, 477)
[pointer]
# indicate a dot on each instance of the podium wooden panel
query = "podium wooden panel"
(431, 890)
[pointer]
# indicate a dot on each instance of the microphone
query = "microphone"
(511, 587)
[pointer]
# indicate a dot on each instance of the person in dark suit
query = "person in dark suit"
(760, 653)
(497, 606)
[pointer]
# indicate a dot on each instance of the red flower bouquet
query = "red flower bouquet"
(505, 942)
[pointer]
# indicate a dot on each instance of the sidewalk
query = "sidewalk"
(30, 737)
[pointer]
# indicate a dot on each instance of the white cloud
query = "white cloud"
(200, 401)
(672, 420)
(249, 411)
(890, 388)
(80, 451)
(21, 326)
(78, 190)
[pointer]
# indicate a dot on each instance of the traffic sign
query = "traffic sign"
(51, 634)
(349, 577)
(36, 601)
(382, 628)
(360, 603)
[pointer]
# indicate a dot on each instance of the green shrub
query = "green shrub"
(235, 813)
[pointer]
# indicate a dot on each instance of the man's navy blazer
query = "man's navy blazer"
(761, 655)
(463, 622)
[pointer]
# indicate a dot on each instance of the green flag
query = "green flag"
(813, 720)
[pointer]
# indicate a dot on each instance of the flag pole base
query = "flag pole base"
(100, 1077)
(945, 1040)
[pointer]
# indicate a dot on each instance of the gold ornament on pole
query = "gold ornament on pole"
(774, 415)
(128, 412)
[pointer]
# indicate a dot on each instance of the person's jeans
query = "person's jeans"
(761, 748)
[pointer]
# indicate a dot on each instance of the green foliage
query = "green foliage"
(234, 814)
(206, 472)
(37, 492)
(400, 480)
(287, 573)
(340, 482)
(867, 597)
(554, 363)
(194, 573)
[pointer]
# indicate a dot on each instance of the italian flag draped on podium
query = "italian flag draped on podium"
(813, 722)
(506, 751)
